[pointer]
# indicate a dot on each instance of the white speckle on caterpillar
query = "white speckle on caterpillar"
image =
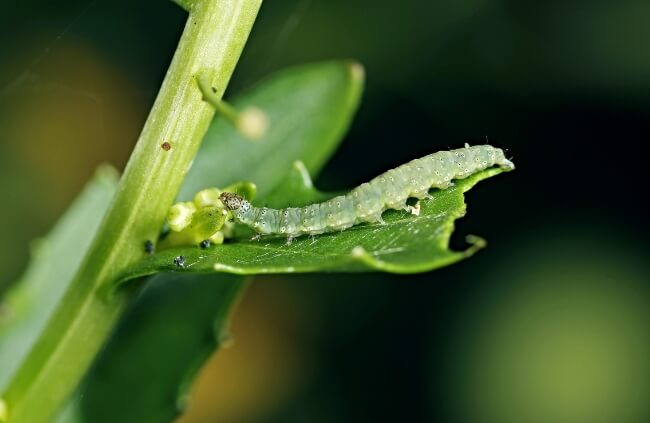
(368, 201)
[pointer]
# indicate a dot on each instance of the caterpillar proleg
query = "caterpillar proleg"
(368, 201)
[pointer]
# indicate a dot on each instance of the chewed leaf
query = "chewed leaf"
(404, 244)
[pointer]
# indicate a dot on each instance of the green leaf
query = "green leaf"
(404, 244)
(309, 109)
(159, 347)
(55, 258)
(180, 319)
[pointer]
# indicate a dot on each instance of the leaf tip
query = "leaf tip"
(476, 243)
(107, 174)
(357, 70)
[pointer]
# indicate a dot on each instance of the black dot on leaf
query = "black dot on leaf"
(179, 261)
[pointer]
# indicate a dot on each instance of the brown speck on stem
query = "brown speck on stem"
(166, 146)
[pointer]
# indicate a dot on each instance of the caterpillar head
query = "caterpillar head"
(231, 201)
(235, 202)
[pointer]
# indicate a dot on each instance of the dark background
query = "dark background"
(551, 323)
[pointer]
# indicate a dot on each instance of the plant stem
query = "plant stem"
(212, 41)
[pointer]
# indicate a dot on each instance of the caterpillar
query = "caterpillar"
(368, 201)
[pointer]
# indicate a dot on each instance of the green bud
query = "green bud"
(208, 197)
(206, 222)
(180, 215)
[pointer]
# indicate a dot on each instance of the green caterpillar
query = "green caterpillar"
(368, 201)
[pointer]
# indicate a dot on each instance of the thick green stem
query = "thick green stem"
(212, 41)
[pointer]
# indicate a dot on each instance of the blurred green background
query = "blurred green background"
(551, 323)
